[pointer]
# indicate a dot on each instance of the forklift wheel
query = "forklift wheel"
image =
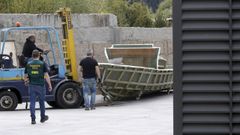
(68, 96)
(8, 101)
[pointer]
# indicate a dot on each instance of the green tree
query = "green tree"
(133, 1)
(139, 15)
(49, 6)
(134, 13)
(164, 11)
(120, 9)
(79, 6)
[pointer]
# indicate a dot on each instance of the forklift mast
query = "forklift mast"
(68, 43)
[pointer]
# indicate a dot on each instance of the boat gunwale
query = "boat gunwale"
(130, 66)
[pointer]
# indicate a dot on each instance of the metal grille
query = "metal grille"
(206, 67)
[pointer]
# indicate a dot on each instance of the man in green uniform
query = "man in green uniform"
(35, 72)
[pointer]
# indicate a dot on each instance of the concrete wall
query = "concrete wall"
(94, 31)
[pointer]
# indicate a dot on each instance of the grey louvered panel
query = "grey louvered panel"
(236, 107)
(205, 25)
(206, 129)
(236, 77)
(236, 57)
(206, 108)
(236, 35)
(236, 66)
(236, 118)
(204, 4)
(236, 97)
(206, 118)
(205, 56)
(206, 77)
(203, 62)
(205, 15)
(236, 45)
(205, 36)
(236, 15)
(236, 129)
(236, 87)
(236, 70)
(206, 87)
(236, 4)
(205, 134)
(206, 67)
(236, 25)
(206, 98)
(206, 46)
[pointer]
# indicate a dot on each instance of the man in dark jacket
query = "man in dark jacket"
(29, 46)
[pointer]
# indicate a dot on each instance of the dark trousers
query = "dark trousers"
(34, 92)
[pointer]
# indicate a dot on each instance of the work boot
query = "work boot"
(33, 122)
(44, 119)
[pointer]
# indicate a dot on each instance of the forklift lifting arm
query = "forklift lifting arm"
(68, 44)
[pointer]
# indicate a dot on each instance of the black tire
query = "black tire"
(53, 104)
(8, 101)
(68, 96)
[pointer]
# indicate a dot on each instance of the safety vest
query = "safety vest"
(35, 71)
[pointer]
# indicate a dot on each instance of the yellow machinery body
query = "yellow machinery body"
(68, 44)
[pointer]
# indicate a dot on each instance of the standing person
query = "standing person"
(90, 72)
(35, 72)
